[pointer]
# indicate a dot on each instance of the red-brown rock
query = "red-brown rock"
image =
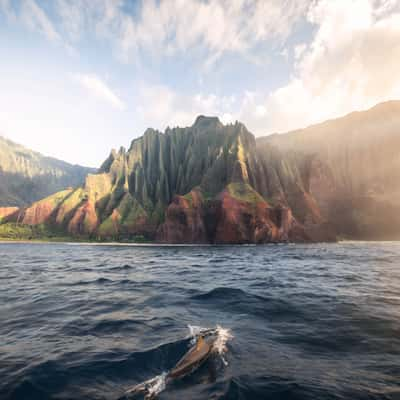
(7, 213)
(184, 222)
(84, 221)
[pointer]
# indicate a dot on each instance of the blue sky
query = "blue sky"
(79, 77)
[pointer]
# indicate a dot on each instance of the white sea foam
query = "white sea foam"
(223, 336)
(194, 332)
(152, 387)
(157, 385)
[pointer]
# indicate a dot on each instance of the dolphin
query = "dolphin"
(190, 361)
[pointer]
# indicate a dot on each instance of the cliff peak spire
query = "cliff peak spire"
(206, 121)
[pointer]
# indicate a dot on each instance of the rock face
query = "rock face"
(185, 220)
(238, 215)
(201, 184)
(27, 176)
(354, 173)
(215, 183)
(8, 212)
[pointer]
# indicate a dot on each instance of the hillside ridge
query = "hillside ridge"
(215, 183)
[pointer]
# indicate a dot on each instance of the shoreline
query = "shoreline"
(154, 244)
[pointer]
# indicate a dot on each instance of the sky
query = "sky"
(79, 77)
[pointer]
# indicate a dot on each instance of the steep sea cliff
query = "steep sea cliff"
(215, 183)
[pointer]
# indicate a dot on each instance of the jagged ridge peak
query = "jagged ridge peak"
(207, 122)
(214, 183)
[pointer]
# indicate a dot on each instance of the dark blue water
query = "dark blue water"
(309, 321)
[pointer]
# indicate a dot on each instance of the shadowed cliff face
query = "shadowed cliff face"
(207, 183)
(211, 183)
(8, 212)
(27, 176)
(354, 170)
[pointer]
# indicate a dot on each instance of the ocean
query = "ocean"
(315, 321)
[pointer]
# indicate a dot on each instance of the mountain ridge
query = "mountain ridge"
(360, 155)
(215, 183)
(27, 175)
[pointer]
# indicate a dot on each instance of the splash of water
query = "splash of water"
(156, 385)
(223, 335)
(220, 344)
(152, 387)
(194, 332)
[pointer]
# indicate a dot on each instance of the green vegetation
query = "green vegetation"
(14, 231)
(207, 195)
(158, 215)
(124, 216)
(28, 176)
(132, 214)
(244, 192)
(43, 233)
(57, 198)
(121, 238)
(189, 198)
(108, 227)
(70, 203)
(74, 199)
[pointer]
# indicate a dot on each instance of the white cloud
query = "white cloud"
(37, 20)
(73, 17)
(164, 28)
(161, 106)
(299, 50)
(227, 118)
(171, 26)
(352, 63)
(94, 85)
(6, 8)
(29, 14)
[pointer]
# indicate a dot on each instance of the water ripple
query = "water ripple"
(309, 321)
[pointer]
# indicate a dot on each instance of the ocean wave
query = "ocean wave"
(125, 267)
(102, 281)
(236, 300)
(84, 327)
(98, 281)
(154, 386)
(322, 325)
(220, 293)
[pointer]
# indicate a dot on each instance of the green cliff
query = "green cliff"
(215, 183)
(27, 176)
